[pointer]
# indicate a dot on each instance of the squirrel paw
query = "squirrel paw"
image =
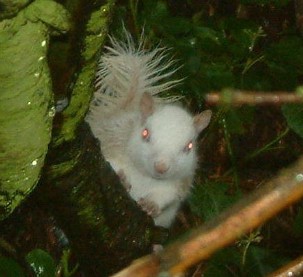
(150, 207)
(123, 180)
(157, 248)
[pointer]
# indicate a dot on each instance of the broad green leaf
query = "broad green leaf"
(42, 264)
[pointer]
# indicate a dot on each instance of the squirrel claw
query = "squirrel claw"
(123, 180)
(150, 207)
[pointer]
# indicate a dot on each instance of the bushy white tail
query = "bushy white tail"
(125, 72)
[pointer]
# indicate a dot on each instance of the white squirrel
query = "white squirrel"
(149, 141)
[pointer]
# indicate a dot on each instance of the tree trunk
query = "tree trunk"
(26, 101)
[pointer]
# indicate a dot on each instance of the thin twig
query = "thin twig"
(267, 146)
(251, 212)
(238, 98)
(294, 268)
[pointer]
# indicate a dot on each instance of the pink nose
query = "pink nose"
(161, 167)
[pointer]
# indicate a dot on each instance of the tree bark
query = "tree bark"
(26, 101)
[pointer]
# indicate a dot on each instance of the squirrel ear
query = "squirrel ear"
(202, 120)
(147, 106)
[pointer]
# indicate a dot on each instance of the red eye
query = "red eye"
(145, 134)
(189, 147)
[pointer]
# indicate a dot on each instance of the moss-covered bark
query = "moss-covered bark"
(10, 8)
(94, 36)
(105, 227)
(26, 106)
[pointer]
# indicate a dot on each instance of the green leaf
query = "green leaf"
(41, 263)
(10, 268)
(228, 262)
(294, 117)
(262, 261)
(209, 199)
(225, 263)
(237, 120)
(285, 62)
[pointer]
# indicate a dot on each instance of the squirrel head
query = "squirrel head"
(163, 144)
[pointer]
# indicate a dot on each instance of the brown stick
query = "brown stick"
(276, 195)
(253, 98)
(294, 268)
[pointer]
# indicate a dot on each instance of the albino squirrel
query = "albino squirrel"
(150, 142)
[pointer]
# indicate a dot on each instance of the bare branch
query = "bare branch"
(294, 268)
(234, 97)
(274, 196)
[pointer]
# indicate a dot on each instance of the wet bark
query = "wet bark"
(26, 100)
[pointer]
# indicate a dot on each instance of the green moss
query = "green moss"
(95, 35)
(11, 7)
(26, 108)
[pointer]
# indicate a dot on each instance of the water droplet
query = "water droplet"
(52, 111)
(299, 177)
(192, 41)
(29, 103)
(43, 43)
(41, 58)
(34, 162)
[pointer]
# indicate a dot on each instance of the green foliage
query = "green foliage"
(42, 264)
(237, 119)
(204, 47)
(209, 199)
(64, 264)
(229, 263)
(285, 62)
(10, 268)
(294, 117)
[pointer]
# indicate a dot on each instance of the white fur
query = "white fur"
(171, 129)
(117, 119)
